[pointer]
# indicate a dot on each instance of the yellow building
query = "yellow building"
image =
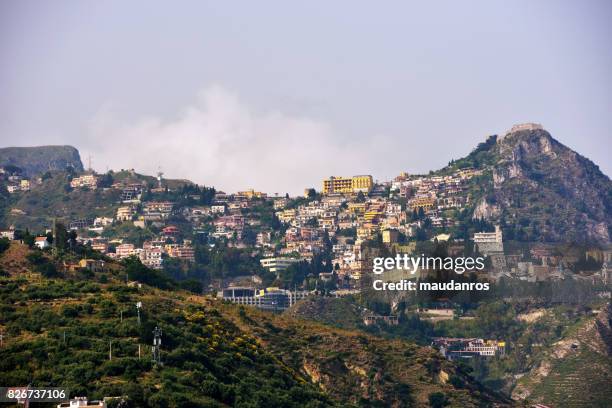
(250, 194)
(372, 215)
(287, 215)
(345, 185)
(364, 233)
(362, 183)
(93, 265)
(357, 208)
(426, 203)
(407, 248)
(337, 185)
(86, 180)
(390, 236)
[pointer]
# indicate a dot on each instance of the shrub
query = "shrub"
(48, 270)
(4, 244)
(457, 381)
(437, 400)
(69, 311)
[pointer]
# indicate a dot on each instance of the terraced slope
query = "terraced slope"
(577, 371)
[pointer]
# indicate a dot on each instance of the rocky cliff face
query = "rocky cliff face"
(575, 371)
(39, 159)
(544, 191)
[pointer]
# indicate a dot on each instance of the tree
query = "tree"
(312, 222)
(12, 170)
(173, 267)
(249, 236)
(27, 238)
(437, 400)
(4, 244)
(61, 237)
(312, 193)
(106, 180)
(192, 285)
(420, 235)
(207, 195)
(138, 272)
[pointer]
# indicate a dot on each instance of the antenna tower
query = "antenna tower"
(156, 349)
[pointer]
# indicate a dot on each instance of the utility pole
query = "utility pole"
(160, 175)
(54, 235)
(139, 351)
(110, 350)
(138, 306)
(156, 349)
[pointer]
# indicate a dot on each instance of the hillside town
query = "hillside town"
(313, 256)
(331, 229)
(305, 205)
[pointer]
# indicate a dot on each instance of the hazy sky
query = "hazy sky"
(277, 95)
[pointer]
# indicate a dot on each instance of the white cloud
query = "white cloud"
(221, 142)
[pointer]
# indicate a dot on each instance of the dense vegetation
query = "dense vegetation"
(62, 333)
(86, 335)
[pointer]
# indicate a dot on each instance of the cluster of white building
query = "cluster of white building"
(15, 182)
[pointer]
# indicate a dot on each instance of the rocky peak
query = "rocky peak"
(39, 159)
(558, 194)
(528, 141)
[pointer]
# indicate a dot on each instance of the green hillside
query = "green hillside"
(339, 312)
(35, 209)
(575, 371)
(61, 331)
(54, 198)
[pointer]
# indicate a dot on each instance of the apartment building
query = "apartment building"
(100, 246)
(280, 203)
(489, 237)
(125, 213)
(426, 203)
(278, 264)
(158, 210)
(455, 348)
(125, 250)
(267, 299)
(87, 180)
(217, 209)
(184, 252)
(490, 243)
(251, 194)
(347, 185)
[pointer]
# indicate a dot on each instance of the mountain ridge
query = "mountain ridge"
(35, 160)
(539, 189)
(535, 187)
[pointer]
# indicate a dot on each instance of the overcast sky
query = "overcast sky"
(278, 95)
